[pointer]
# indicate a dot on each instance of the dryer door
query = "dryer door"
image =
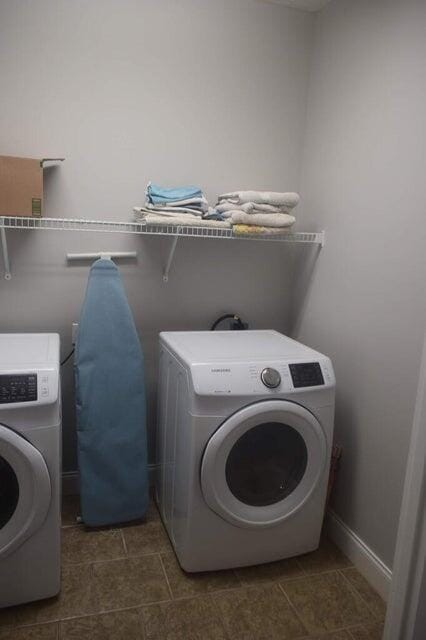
(263, 463)
(25, 490)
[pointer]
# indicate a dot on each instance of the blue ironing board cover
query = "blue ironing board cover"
(110, 404)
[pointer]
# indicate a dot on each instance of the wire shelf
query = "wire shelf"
(142, 228)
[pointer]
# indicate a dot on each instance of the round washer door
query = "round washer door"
(263, 463)
(25, 490)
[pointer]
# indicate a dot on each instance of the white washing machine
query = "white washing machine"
(244, 444)
(30, 467)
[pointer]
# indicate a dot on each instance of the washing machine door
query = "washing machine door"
(263, 463)
(25, 490)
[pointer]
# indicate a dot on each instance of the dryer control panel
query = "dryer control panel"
(258, 378)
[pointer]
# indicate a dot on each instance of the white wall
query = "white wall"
(211, 93)
(363, 302)
(215, 93)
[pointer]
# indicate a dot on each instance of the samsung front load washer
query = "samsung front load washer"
(30, 467)
(245, 428)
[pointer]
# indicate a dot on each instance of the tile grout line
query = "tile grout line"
(211, 595)
(319, 572)
(293, 608)
(139, 607)
(123, 540)
(243, 586)
(79, 616)
(156, 602)
(355, 590)
(300, 567)
(304, 576)
(108, 611)
(143, 604)
(238, 587)
(117, 559)
(343, 628)
(166, 576)
(220, 615)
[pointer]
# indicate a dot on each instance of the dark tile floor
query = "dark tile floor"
(126, 584)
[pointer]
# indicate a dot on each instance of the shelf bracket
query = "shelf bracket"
(170, 259)
(6, 263)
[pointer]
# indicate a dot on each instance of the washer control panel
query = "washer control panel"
(28, 388)
(18, 388)
(270, 378)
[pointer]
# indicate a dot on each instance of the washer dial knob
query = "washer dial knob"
(270, 378)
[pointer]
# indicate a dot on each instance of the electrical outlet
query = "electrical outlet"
(74, 332)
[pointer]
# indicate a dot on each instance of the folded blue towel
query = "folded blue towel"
(159, 195)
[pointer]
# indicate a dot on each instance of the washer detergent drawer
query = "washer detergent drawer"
(25, 490)
(263, 463)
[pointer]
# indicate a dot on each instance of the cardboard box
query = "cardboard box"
(21, 186)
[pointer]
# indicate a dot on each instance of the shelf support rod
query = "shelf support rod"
(6, 263)
(170, 259)
(71, 257)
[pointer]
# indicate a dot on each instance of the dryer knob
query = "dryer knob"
(270, 378)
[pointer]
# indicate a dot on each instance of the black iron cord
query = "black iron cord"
(231, 316)
(65, 360)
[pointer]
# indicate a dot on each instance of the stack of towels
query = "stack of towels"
(258, 212)
(181, 206)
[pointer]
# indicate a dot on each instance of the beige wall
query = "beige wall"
(363, 302)
(211, 93)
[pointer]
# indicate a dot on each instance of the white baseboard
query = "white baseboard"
(365, 560)
(70, 482)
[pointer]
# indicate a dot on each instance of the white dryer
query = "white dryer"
(30, 467)
(244, 444)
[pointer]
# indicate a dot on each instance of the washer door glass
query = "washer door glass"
(263, 463)
(9, 492)
(25, 490)
(266, 464)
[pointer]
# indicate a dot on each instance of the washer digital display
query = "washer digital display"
(306, 374)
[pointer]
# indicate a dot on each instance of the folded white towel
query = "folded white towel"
(178, 221)
(263, 219)
(275, 198)
(170, 211)
(249, 207)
